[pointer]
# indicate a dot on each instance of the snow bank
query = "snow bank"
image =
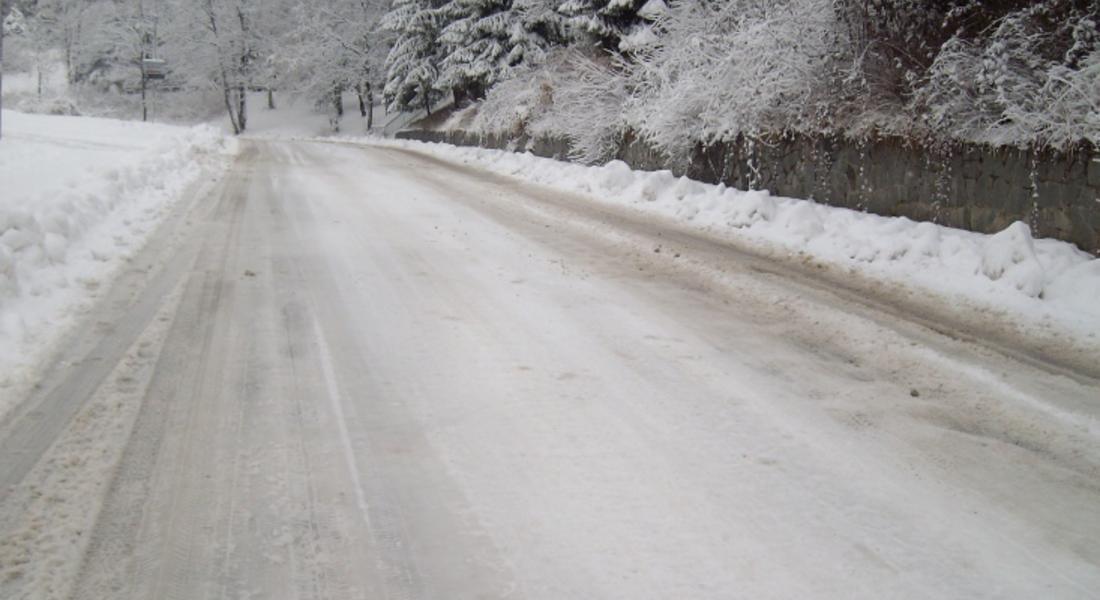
(78, 196)
(1042, 282)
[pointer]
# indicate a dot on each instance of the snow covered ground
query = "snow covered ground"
(388, 376)
(1046, 285)
(78, 196)
(365, 372)
(299, 118)
(296, 118)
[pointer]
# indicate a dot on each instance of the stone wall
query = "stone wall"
(556, 148)
(970, 187)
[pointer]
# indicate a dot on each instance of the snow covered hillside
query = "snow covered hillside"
(78, 196)
(1043, 285)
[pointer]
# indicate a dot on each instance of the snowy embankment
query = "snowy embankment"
(1038, 283)
(78, 197)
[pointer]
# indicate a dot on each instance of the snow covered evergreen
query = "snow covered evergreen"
(412, 66)
(606, 22)
(536, 28)
(475, 43)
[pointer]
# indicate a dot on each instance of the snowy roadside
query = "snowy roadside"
(1039, 284)
(78, 197)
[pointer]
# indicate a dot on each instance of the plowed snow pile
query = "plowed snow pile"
(78, 196)
(1041, 283)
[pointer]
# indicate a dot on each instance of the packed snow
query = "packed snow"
(1043, 282)
(78, 196)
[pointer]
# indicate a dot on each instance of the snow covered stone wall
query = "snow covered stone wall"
(970, 187)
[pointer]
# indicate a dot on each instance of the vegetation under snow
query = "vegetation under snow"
(674, 73)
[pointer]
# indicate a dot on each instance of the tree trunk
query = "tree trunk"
(338, 100)
(242, 107)
(370, 108)
(144, 103)
(270, 99)
(227, 91)
(245, 63)
(227, 95)
(69, 60)
(362, 104)
(229, 108)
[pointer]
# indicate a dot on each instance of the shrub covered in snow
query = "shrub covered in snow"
(1033, 79)
(725, 69)
(572, 95)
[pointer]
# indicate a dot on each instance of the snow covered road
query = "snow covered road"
(361, 372)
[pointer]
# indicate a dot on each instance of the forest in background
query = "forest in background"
(675, 74)
(218, 53)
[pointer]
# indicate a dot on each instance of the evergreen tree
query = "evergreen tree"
(604, 21)
(476, 43)
(411, 72)
(536, 27)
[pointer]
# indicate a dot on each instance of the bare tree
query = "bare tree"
(337, 48)
(228, 39)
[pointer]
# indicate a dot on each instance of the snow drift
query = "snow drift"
(78, 196)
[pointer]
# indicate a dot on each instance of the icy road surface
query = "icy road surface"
(366, 373)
